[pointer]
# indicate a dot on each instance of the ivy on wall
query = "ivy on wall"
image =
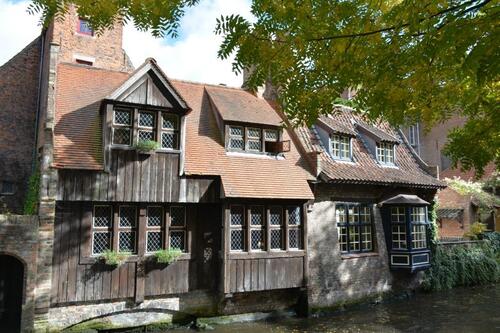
(32, 194)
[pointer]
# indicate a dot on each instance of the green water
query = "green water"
(460, 310)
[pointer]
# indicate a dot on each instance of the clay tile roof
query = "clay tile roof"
(489, 172)
(336, 126)
(79, 91)
(378, 133)
(404, 199)
(240, 105)
(364, 169)
(242, 175)
(450, 213)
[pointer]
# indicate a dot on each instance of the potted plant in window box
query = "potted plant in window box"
(146, 147)
(114, 258)
(167, 256)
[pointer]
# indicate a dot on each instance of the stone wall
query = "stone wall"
(19, 238)
(334, 278)
(18, 107)
(105, 50)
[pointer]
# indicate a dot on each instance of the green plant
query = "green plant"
(167, 256)
(146, 146)
(114, 258)
(477, 229)
(462, 265)
(32, 195)
(486, 201)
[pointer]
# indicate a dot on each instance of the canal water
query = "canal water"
(459, 310)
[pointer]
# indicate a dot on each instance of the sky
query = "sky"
(192, 56)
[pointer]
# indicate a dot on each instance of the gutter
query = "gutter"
(38, 99)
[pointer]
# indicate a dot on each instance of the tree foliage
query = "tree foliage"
(408, 60)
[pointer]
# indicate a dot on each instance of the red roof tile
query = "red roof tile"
(489, 170)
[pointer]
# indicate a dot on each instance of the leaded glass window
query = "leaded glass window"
(254, 142)
(294, 227)
(257, 228)
(122, 126)
(354, 225)
(127, 225)
(341, 147)
(102, 223)
(237, 225)
(177, 228)
(236, 138)
(170, 131)
(154, 229)
(275, 227)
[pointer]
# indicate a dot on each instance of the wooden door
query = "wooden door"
(11, 293)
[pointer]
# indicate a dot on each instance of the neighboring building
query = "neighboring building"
(266, 217)
(456, 213)
(372, 194)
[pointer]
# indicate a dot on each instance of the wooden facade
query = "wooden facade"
(137, 178)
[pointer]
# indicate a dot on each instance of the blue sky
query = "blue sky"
(192, 56)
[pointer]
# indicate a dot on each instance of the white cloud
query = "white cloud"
(17, 28)
(194, 55)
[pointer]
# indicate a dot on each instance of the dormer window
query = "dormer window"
(84, 28)
(341, 147)
(385, 153)
(132, 125)
(253, 139)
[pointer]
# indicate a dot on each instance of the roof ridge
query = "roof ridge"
(207, 84)
(30, 44)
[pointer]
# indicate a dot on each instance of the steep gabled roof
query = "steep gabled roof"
(364, 169)
(78, 141)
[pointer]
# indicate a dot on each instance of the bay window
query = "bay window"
(398, 228)
(418, 228)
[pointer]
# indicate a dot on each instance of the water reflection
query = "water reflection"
(460, 310)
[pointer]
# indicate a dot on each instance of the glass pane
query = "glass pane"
(236, 131)
(122, 117)
(257, 241)
(254, 145)
(366, 237)
(126, 241)
(418, 214)
(155, 216)
(177, 240)
(146, 119)
(419, 240)
(121, 136)
(84, 28)
(177, 216)
(254, 133)
(256, 215)
(237, 240)
(340, 214)
(294, 238)
(353, 214)
(153, 241)
(169, 121)
(398, 215)
(145, 136)
(236, 143)
(102, 217)
(275, 216)
(294, 215)
(353, 238)
(399, 237)
(169, 140)
(127, 216)
(236, 215)
(271, 135)
(101, 241)
(365, 214)
(343, 239)
(276, 239)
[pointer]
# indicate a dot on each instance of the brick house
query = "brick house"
(252, 205)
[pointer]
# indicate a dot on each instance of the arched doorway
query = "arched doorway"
(11, 293)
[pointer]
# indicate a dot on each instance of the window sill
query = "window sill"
(278, 157)
(161, 151)
(131, 259)
(266, 254)
(359, 255)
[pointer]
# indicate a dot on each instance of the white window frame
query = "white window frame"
(159, 228)
(130, 127)
(340, 140)
(383, 149)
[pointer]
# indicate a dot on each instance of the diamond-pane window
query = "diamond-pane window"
(276, 239)
(254, 133)
(127, 216)
(121, 136)
(101, 241)
(146, 119)
(153, 241)
(294, 239)
(169, 121)
(238, 131)
(177, 216)
(102, 216)
(169, 140)
(237, 240)
(236, 216)
(257, 239)
(126, 241)
(254, 145)
(122, 117)
(256, 215)
(236, 143)
(275, 216)
(155, 216)
(271, 135)
(294, 215)
(236, 140)
(177, 240)
(145, 136)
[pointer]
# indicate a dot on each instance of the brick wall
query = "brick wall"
(18, 101)
(449, 198)
(335, 279)
(19, 238)
(106, 49)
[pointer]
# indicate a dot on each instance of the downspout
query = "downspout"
(38, 108)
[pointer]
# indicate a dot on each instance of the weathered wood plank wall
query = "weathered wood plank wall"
(136, 178)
